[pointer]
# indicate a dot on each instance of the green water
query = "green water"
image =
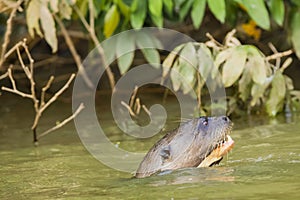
(264, 164)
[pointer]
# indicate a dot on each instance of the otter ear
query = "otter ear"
(165, 152)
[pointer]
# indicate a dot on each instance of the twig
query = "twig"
(286, 63)
(133, 96)
(128, 108)
(22, 94)
(279, 55)
(13, 49)
(67, 120)
(146, 110)
(3, 76)
(73, 51)
(199, 91)
(8, 31)
(91, 29)
(213, 39)
(137, 106)
(50, 101)
(39, 109)
(91, 10)
(44, 89)
(273, 48)
(14, 87)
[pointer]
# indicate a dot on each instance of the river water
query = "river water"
(264, 164)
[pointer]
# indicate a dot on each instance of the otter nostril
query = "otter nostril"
(226, 119)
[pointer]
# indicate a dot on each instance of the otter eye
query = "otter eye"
(205, 121)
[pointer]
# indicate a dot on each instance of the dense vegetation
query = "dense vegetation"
(254, 79)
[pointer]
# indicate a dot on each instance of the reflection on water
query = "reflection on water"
(264, 164)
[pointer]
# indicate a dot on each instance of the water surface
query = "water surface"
(264, 164)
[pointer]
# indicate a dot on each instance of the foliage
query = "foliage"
(244, 69)
(113, 16)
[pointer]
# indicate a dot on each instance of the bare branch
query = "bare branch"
(91, 9)
(133, 96)
(273, 48)
(58, 93)
(3, 76)
(44, 89)
(279, 55)
(73, 51)
(91, 29)
(25, 69)
(8, 31)
(67, 120)
(14, 87)
(128, 108)
(22, 94)
(146, 110)
(138, 106)
(13, 49)
(11, 78)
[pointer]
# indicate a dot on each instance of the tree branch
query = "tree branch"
(8, 32)
(73, 51)
(67, 120)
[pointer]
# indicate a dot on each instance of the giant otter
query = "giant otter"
(200, 142)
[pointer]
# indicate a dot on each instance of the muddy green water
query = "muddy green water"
(264, 164)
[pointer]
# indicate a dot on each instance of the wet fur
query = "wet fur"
(186, 146)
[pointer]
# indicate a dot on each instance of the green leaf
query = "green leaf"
(155, 8)
(295, 31)
(257, 65)
(125, 10)
(257, 11)
(83, 6)
(188, 63)
(99, 6)
(32, 17)
(178, 3)
(125, 51)
(175, 76)
(276, 99)
(110, 48)
(125, 61)
(111, 21)
(185, 9)
(296, 2)
(65, 10)
(170, 60)
(198, 12)
(218, 8)
(222, 56)
(206, 65)
(147, 40)
(169, 5)
(54, 6)
(48, 26)
(244, 84)
(149, 45)
(277, 10)
(152, 56)
(138, 13)
(158, 21)
(257, 92)
(234, 66)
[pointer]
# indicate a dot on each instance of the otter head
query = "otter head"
(199, 142)
(214, 132)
